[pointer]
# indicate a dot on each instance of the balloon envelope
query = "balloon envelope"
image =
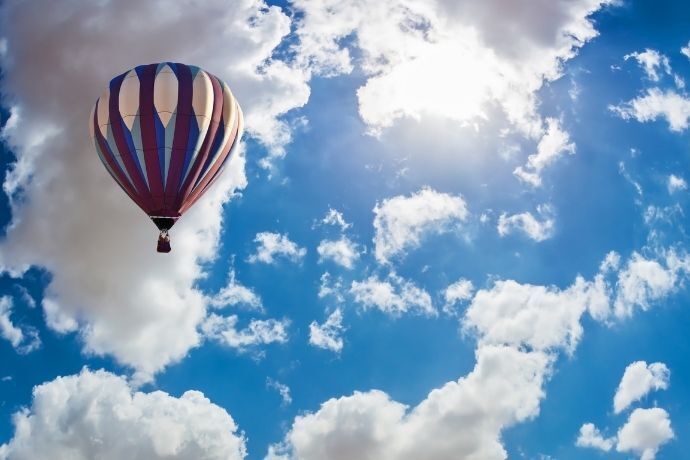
(164, 132)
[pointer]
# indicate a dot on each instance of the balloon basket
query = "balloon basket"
(164, 242)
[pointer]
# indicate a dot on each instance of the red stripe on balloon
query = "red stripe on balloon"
(182, 126)
(121, 143)
(149, 142)
(207, 144)
(121, 178)
(215, 169)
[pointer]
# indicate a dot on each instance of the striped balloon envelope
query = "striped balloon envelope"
(164, 132)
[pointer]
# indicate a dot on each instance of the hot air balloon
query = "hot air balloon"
(164, 132)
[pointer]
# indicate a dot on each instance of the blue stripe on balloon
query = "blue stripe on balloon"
(160, 143)
(191, 143)
(213, 153)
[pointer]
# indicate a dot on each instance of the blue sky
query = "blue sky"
(426, 180)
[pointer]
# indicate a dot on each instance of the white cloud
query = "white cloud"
(401, 222)
(590, 436)
(542, 318)
(654, 104)
(22, 340)
(343, 251)
(458, 291)
(525, 222)
(330, 288)
(272, 245)
(282, 389)
(554, 143)
(98, 415)
(651, 60)
(129, 302)
(686, 50)
(235, 293)
(462, 419)
(676, 184)
(327, 335)
(57, 318)
(521, 329)
(645, 431)
(399, 45)
(643, 281)
(223, 329)
(638, 380)
(393, 296)
(626, 175)
(335, 217)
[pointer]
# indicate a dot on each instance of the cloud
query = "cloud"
(539, 317)
(282, 389)
(654, 104)
(651, 61)
(638, 380)
(526, 223)
(399, 45)
(235, 293)
(272, 245)
(644, 281)
(676, 184)
(343, 251)
(223, 329)
(458, 291)
(554, 143)
(128, 302)
(97, 414)
(400, 222)
(393, 295)
(330, 288)
(686, 50)
(335, 217)
(590, 436)
(327, 335)
(22, 340)
(462, 419)
(644, 432)
(521, 329)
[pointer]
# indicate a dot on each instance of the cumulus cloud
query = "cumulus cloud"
(399, 45)
(554, 143)
(590, 436)
(651, 61)
(643, 281)
(526, 223)
(335, 218)
(392, 295)
(539, 317)
(270, 246)
(328, 334)
(121, 423)
(400, 222)
(23, 340)
(686, 50)
(655, 104)
(645, 431)
(462, 419)
(676, 184)
(458, 291)
(343, 251)
(329, 287)
(282, 389)
(223, 329)
(520, 329)
(129, 302)
(638, 380)
(235, 293)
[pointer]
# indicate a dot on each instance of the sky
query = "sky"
(452, 230)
